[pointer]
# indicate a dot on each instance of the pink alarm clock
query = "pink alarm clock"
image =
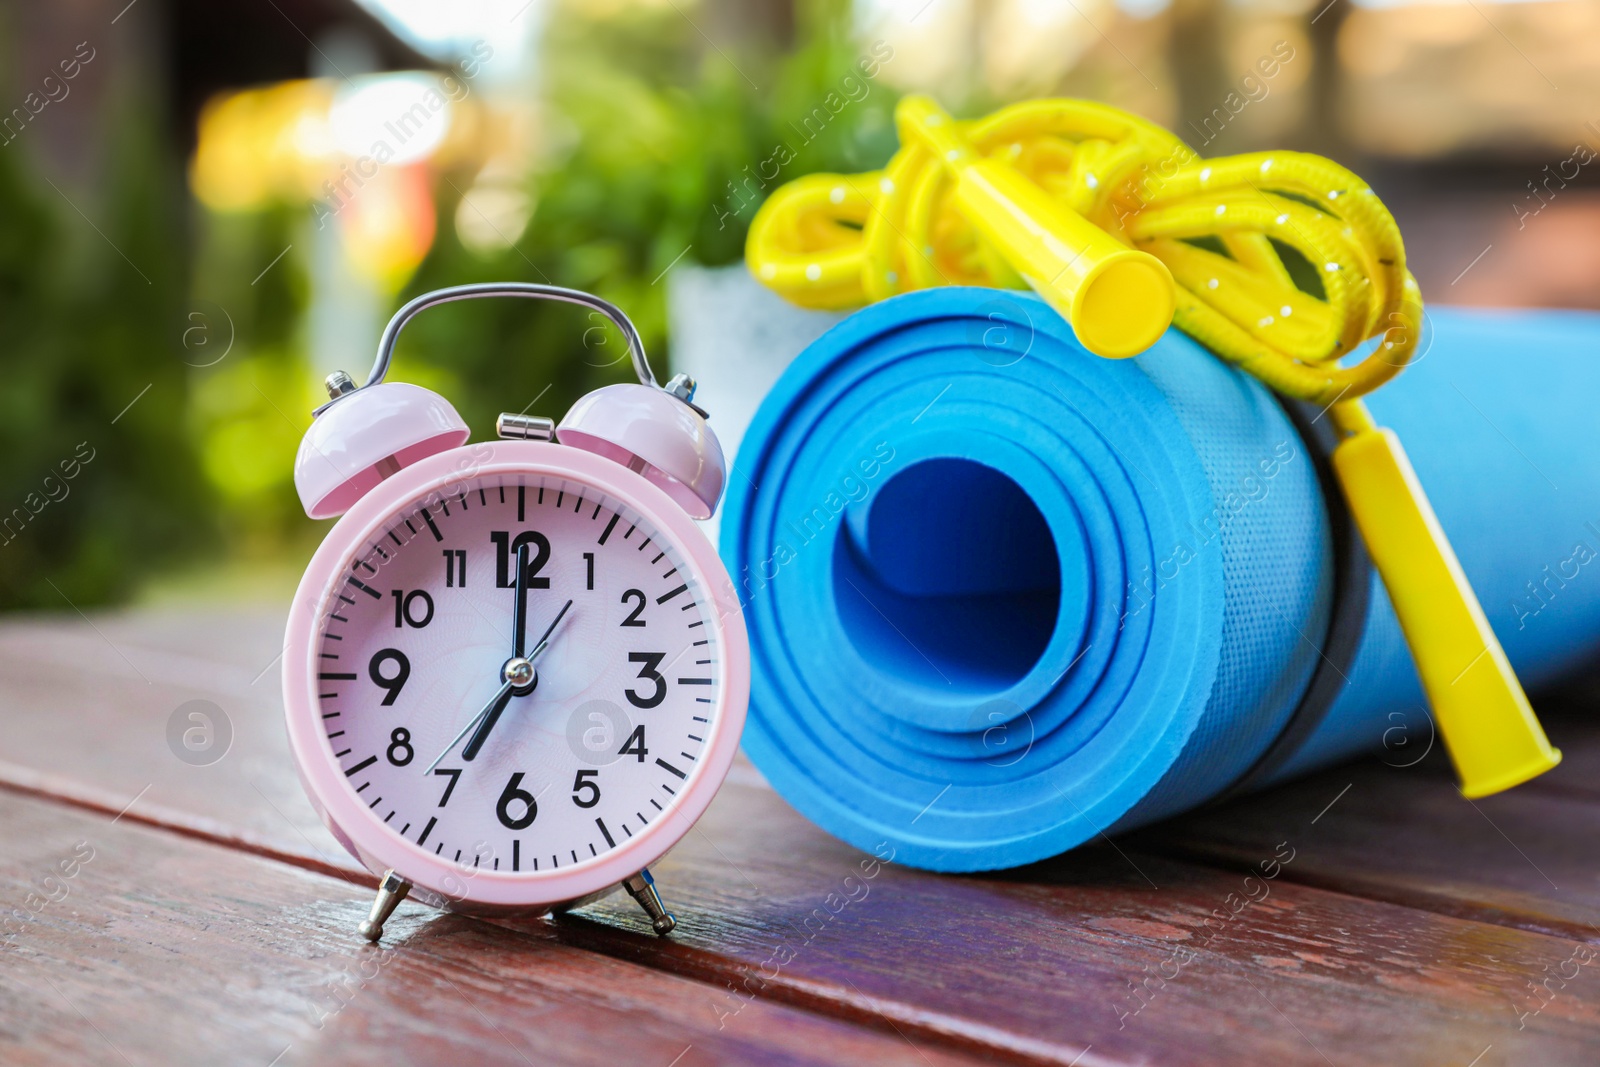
(515, 672)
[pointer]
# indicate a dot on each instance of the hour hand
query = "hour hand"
(513, 670)
(520, 679)
(496, 705)
(490, 717)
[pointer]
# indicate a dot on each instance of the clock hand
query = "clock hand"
(544, 641)
(497, 699)
(519, 608)
(519, 671)
(519, 638)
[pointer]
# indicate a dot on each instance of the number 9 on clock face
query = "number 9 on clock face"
(517, 735)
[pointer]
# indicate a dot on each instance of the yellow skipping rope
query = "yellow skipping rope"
(1124, 230)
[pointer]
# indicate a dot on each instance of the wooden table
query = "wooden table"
(162, 913)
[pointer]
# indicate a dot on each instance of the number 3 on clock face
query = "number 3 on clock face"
(429, 754)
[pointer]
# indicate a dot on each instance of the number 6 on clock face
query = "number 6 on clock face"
(515, 672)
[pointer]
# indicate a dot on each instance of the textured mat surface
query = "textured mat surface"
(1004, 595)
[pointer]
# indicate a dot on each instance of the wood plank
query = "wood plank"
(1035, 967)
(158, 949)
(1406, 835)
(1050, 954)
(90, 704)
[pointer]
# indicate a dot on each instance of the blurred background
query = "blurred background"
(208, 205)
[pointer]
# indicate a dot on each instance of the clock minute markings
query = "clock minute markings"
(365, 588)
(363, 765)
(437, 536)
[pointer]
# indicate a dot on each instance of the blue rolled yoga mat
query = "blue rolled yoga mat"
(1004, 595)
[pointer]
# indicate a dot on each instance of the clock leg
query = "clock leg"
(392, 889)
(642, 888)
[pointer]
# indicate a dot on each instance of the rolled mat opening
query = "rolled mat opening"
(957, 581)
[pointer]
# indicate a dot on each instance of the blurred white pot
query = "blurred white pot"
(734, 337)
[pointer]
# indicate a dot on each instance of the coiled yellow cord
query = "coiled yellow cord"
(1107, 216)
(839, 241)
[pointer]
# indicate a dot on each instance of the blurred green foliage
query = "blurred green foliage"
(251, 390)
(94, 493)
(647, 157)
(654, 132)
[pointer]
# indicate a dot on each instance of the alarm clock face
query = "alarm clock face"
(586, 762)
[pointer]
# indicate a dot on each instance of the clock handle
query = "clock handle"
(682, 389)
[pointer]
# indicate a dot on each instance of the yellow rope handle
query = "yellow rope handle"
(1027, 197)
(840, 241)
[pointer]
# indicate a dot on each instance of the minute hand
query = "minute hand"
(519, 643)
(470, 752)
(519, 609)
(519, 634)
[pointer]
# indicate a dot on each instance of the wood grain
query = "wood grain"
(1045, 965)
(161, 950)
(89, 704)
(1406, 835)
(1048, 953)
